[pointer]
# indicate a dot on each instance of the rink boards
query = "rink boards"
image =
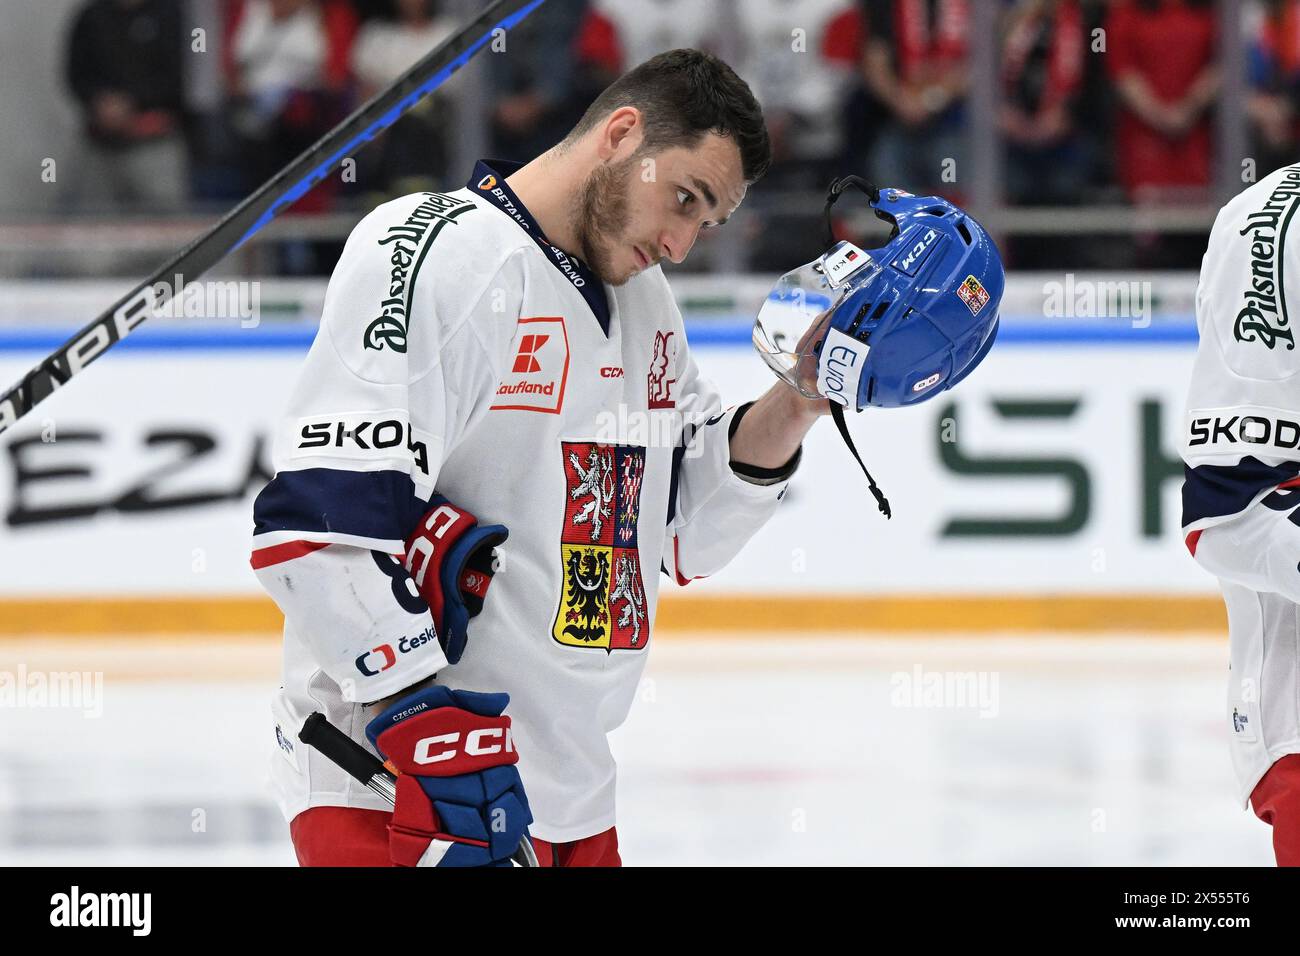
(1041, 493)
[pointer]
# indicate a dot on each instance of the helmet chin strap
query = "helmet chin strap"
(836, 190)
(833, 194)
(837, 413)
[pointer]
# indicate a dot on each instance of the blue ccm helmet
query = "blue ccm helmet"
(890, 326)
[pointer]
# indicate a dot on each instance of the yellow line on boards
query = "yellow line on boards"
(739, 614)
(939, 612)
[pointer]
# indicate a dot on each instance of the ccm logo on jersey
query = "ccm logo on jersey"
(358, 435)
(478, 743)
(380, 658)
(1220, 431)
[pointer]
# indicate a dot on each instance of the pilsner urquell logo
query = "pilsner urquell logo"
(410, 244)
(1263, 315)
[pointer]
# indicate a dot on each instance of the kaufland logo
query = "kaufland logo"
(526, 360)
(527, 388)
(535, 382)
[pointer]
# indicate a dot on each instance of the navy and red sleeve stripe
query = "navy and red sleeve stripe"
(380, 505)
(1221, 491)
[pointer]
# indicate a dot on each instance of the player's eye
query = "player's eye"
(684, 197)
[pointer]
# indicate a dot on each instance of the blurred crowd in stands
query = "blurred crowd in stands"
(1101, 101)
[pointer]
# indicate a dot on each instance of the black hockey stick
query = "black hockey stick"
(246, 219)
(369, 771)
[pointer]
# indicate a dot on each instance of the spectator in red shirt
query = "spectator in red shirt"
(288, 73)
(914, 64)
(1043, 53)
(618, 34)
(1161, 59)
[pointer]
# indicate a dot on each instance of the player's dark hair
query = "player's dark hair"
(682, 95)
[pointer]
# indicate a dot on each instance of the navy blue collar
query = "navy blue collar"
(489, 181)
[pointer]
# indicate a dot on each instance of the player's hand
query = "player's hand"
(459, 798)
(449, 557)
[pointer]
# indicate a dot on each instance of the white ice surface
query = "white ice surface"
(797, 749)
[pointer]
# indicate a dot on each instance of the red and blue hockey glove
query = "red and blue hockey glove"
(449, 557)
(459, 798)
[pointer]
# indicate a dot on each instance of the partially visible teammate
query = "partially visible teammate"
(1241, 495)
(511, 352)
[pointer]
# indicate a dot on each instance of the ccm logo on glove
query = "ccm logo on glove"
(478, 743)
(461, 742)
(460, 801)
(449, 558)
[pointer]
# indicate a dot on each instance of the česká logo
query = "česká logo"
(408, 644)
(367, 662)
(386, 655)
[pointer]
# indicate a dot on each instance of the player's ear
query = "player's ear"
(621, 133)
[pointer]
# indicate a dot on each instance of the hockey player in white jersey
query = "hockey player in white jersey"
(510, 353)
(1241, 494)
(501, 421)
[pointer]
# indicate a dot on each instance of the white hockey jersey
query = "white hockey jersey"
(1241, 446)
(461, 351)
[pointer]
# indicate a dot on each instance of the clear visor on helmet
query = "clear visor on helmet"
(793, 320)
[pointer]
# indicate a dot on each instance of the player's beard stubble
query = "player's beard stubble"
(601, 217)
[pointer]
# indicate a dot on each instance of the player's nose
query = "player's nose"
(675, 244)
